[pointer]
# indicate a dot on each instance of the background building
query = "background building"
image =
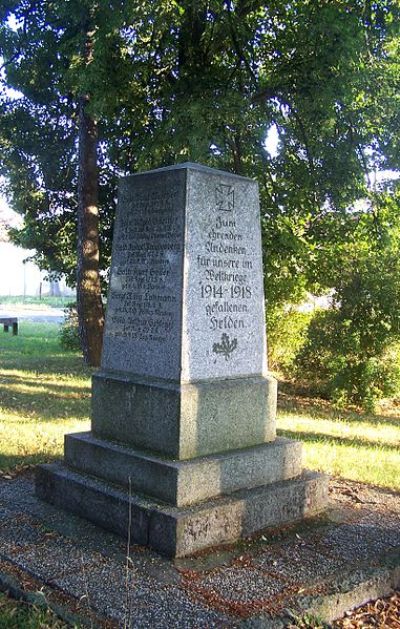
(19, 276)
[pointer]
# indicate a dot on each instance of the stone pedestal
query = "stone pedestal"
(183, 442)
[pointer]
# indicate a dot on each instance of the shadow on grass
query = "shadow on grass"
(44, 405)
(319, 437)
(341, 482)
(83, 391)
(46, 364)
(293, 399)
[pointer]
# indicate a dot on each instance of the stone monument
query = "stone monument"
(183, 443)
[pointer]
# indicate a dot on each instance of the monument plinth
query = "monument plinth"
(183, 409)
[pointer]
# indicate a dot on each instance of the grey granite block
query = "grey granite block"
(186, 296)
(144, 307)
(102, 504)
(183, 482)
(174, 531)
(184, 420)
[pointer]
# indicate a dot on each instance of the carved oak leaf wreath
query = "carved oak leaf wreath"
(226, 346)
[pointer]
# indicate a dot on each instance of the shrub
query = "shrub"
(69, 332)
(335, 361)
(286, 335)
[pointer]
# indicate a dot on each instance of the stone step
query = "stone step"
(184, 482)
(175, 531)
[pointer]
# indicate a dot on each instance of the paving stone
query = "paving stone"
(321, 566)
(18, 532)
(242, 584)
(143, 599)
(295, 562)
(354, 543)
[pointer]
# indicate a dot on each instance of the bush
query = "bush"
(334, 360)
(286, 336)
(69, 332)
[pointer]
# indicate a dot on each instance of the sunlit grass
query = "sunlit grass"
(44, 393)
(365, 448)
(35, 302)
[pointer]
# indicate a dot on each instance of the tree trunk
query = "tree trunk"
(90, 305)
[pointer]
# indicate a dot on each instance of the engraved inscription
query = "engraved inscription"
(142, 305)
(225, 266)
(186, 297)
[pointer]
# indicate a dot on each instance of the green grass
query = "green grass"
(20, 300)
(18, 615)
(44, 393)
(352, 445)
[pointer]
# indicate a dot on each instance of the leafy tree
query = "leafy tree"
(174, 80)
(40, 69)
(353, 349)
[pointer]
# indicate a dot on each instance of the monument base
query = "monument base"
(186, 482)
(184, 420)
(236, 494)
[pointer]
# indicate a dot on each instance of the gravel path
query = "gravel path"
(326, 566)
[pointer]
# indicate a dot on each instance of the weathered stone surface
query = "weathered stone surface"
(144, 309)
(102, 504)
(186, 290)
(184, 482)
(183, 405)
(178, 532)
(184, 420)
(223, 316)
(291, 571)
(184, 344)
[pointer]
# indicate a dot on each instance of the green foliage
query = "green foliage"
(306, 621)
(351, 350)
(335, 364)
(69, 331)
(206, 81)
(17, 614)
(286, 333)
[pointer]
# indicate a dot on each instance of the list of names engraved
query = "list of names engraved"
(143, 313)
(186, 287)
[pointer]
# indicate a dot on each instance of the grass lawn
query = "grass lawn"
(15, 615)
(44, 393)
(355, 446)
(36, 302)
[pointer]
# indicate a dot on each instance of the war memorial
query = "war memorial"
(183, 451)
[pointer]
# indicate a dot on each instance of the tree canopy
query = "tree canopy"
(178, 80)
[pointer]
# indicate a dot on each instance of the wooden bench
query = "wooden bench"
(7, 321)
